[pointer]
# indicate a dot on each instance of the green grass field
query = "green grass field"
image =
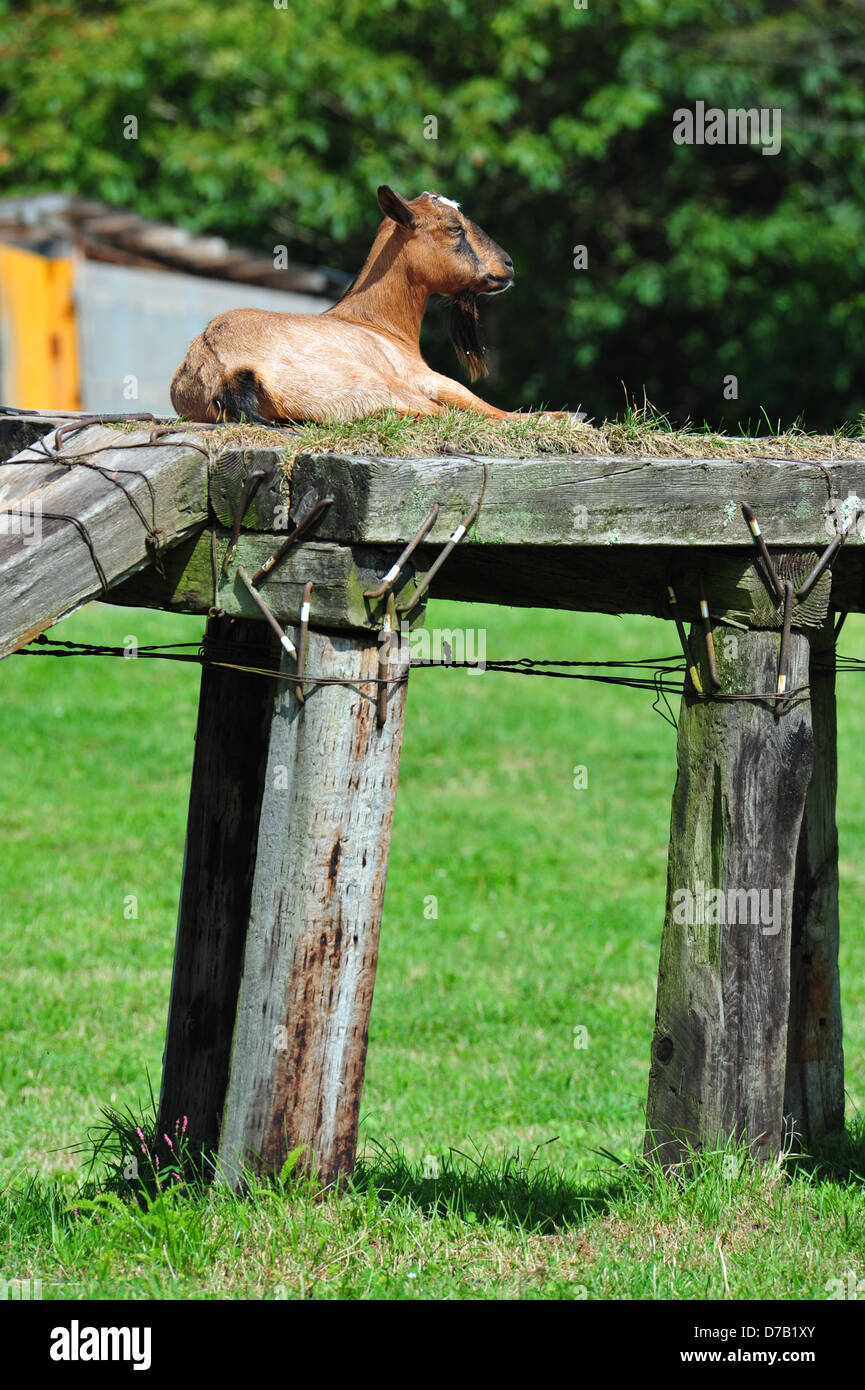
(498, 1158)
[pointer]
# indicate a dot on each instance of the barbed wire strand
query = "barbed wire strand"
(661, 674)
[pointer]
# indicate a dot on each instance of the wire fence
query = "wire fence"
(661, 675)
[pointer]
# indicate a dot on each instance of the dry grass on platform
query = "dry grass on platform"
(641, 433)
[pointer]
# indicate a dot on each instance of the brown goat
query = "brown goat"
(363, 354)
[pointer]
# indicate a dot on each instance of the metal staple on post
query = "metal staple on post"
(302, 641)
(393, 573)
(683, 638)
(754, 527)
(454, 540)
(385, 639)
(250, 483)
(825, 560)
(259, 602)
(710, 641)
(302, 526)
(784, 653)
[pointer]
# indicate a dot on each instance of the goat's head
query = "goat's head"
(450, 255)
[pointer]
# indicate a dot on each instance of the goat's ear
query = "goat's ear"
(396, 207)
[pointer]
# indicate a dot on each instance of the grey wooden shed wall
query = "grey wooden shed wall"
(134, 327)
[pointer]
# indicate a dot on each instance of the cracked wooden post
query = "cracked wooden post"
(815, 1061)
(300, 1038)
(231, 743)
(719, 1050)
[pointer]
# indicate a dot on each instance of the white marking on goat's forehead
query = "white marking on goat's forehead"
(440, 198)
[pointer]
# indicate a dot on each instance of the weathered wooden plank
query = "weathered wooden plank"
(629, 579)
(719, 1051)
(626, 580)
(340, 575)
(182, 584)
(231, 741)
(815, 1060)
(47, 568)
(551, 501)
(301, 1034)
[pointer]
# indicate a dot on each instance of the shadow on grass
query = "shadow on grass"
(520, 1193)
(523, 1194)
(531, 1195)
(839, 1158)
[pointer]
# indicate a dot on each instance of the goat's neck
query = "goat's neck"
(384, 295)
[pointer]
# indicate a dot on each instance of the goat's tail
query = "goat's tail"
(241, 395)
(204, 389)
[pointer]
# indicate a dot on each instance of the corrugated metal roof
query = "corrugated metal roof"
(47, 222)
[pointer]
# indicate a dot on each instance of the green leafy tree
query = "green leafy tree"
(552, 124)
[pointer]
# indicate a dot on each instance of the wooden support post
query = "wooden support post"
(312, 946)
(719, 1051)
(231, 741)
(815, 1062)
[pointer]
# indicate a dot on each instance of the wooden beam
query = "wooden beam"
(719, 1051)
(815, 1061)
(629, 579)
(612, 581)
(552, 502)
(50, 566)
(300, 1039)
(339, 573)
(597, 534)
(231, 740)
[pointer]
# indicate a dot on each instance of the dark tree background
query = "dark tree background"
(274, 125)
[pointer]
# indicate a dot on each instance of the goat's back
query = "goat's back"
(304, 366)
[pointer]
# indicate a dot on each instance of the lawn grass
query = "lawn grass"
(482, 1124)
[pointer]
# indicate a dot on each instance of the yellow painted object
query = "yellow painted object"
(38, 332)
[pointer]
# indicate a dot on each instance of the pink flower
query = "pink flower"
(168, 1141)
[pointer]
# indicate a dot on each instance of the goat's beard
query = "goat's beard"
(465, 336)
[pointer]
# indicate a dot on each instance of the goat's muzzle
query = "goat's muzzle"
(497, 283)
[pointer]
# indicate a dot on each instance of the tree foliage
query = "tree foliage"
(274, 125)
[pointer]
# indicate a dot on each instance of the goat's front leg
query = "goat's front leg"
(454, 394)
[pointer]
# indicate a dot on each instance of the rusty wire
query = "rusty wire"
(657, 672)
(154, 535)
(80, 528)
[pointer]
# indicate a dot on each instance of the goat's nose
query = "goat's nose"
(509, 265)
